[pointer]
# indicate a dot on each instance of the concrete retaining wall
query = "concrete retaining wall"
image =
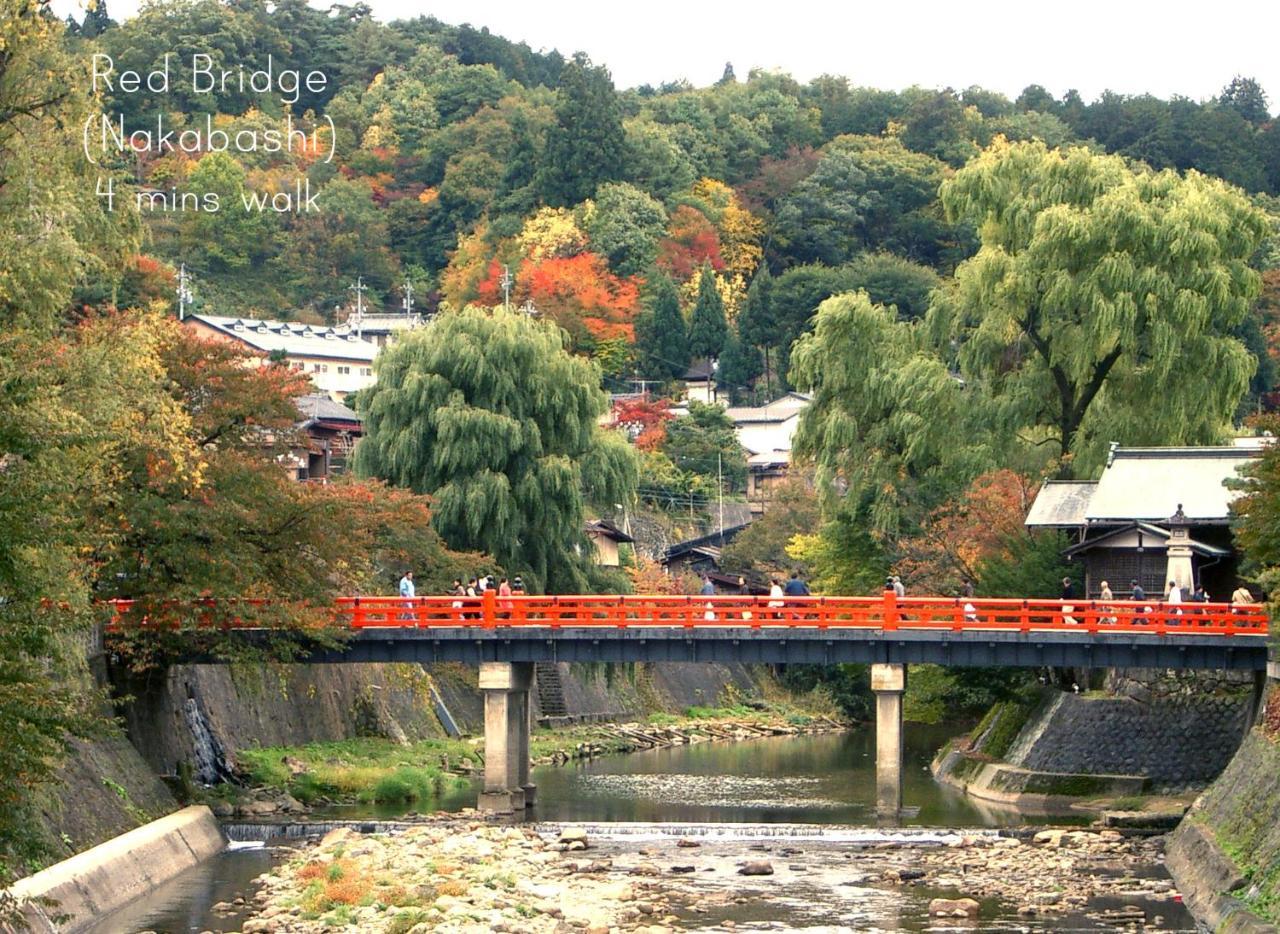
(1179, 742)
(98, 881)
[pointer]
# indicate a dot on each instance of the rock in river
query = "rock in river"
(757, 867)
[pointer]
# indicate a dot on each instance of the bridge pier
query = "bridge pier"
(505, 686)
(888, 682)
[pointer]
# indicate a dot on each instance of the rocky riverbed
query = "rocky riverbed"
(461, 875)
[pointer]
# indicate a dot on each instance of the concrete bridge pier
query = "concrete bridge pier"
(505, 686)
(888, 682)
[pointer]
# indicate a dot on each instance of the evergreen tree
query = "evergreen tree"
(662, 342)
(491, 415)
(756, 325)
(96, 20)
(586, 147)
(1246, 97)
(740, 366)
(707, 328)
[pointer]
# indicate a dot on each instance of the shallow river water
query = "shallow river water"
(809, 792)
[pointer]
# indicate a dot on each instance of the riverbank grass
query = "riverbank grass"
(380, 771)
(368, 770)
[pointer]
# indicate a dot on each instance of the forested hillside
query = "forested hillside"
(458, 151)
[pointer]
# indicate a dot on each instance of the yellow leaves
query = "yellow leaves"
(552, 233)
(429, 196)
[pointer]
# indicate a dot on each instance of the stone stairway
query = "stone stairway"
(550, 690)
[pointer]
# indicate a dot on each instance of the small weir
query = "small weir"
(810, 795)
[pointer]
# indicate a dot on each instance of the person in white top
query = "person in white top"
(1174, 595)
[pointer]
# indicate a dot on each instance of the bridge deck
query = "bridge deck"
(815, 630)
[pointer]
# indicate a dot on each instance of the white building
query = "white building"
(338, 362)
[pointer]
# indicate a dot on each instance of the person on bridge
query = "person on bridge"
(1174, 595)
(1068, 593)
(1137, 593)
(708, 588)
(795, 586)
(898, 589)
(407, 591)
(504, 590)
(1106, 596)
(1241, 597)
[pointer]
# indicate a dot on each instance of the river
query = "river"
(729, 789)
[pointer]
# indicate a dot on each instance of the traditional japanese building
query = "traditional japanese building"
(1154, 515)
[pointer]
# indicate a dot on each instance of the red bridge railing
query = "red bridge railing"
(883, 613)
(887, 613)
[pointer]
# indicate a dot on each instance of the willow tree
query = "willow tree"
(1102, 303)
(490, 414)
(888, 423)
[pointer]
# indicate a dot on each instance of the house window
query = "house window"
(299, 366)
(319, 368)
(366, 371)
(344, 371)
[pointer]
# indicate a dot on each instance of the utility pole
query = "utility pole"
(184, 291)
(408, 298)
(505, 282)
(359, 288)
(720, 486)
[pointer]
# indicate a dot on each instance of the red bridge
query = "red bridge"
(505, 635)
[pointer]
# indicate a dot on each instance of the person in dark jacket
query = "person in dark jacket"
(795, 587)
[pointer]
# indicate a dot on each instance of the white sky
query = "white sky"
(1004, 45)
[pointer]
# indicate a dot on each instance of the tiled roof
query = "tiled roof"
(292, 338)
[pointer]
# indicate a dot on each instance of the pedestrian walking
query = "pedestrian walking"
(1136, 591)
(1241, 597)
(407, 591)
(1068, 593)
(966, 588)
(504, 590)
(898, 589)
(1106, 596)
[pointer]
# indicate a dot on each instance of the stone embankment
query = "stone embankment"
(1226, 853)
(452, 875)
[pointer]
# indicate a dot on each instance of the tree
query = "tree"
(491, 416)
(1097, 290)
(586, 146)
(624, 227)
(982, 525)
(888, 426)
(707, 328)
(662, 340)
(704, 443)
(891, 280)
(740, 366)
(757, 326)
(761, 548)
(1246, 97)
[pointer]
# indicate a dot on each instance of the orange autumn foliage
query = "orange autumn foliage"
(581, 295)
(976, 526)
(645, 420)
(691, 240)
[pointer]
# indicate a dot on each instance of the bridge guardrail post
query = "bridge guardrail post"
(357, 615)
(489, 608)
(890, 620)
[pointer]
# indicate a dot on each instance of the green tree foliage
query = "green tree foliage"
(1246, 97)
(704, 442)
(892, 280)
(1097, 290)
(624, 227)
(741, 364)
(707, 328)
(586, 146)
(888, 423)
(662, 340)
(492, 417)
